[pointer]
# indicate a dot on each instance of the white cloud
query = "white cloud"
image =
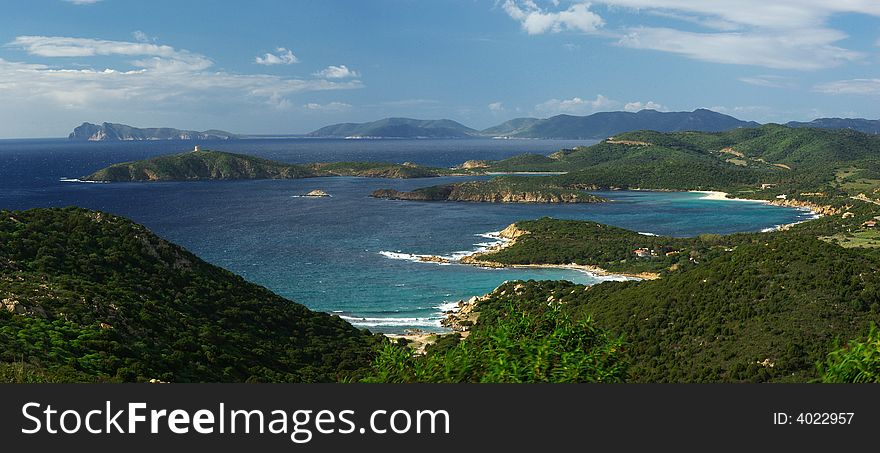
(158, 78)
(331, 107)
(780, 34)
(575, 106)
(535, 20)
(496, 107)
(282, 56)
(870, 87)
(140, 36)
(82, 2)
(337, 72)
(769, 81)
(795, 49)
(638, 105)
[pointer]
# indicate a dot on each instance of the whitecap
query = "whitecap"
(80, 180)
(447, 306)
(392, 322)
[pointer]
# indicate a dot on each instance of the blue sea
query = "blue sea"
(348, 254)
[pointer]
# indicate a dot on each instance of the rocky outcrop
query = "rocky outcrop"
(317, 193)
(522, 197)
(473, 164)
(464, 316)
(439, 193)
(817, 208)
(433, 259)
(456, 193)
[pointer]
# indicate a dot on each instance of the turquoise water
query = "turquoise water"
(349, 253)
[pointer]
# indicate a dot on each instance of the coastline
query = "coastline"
(723, 196)
(462, 316)
(816, 211)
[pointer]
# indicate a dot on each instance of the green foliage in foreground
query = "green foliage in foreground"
(767, 310)
(513, 347)
(858, 361)
(89, 296)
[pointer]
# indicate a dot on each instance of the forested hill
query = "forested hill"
(745, 307)
(205, 165)
(88, 296)
(758, 162)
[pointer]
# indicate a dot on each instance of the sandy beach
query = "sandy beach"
(715, 195)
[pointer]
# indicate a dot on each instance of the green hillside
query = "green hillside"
(205, 165)
(88, 296)
(748, 307)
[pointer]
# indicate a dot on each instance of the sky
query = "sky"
(286, 67)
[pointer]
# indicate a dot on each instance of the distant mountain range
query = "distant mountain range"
(856, 124)
(398, 128)
(113, 132)
(591, 127)
(595, 126)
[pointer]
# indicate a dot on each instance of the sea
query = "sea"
(348, 254)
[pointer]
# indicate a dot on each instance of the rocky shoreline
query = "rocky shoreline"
(509, 236)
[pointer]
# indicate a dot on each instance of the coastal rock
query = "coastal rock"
(512, 232)
(465, 316)
(433, 259)
(317, 193)
(473, 164)
(453, 193)
(817, 208)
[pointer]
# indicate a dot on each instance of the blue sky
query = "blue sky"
(293, 66)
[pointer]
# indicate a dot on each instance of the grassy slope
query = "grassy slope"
(97, 297)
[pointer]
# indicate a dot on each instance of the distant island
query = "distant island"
(397, 128)
(595, 126)
(604, 124)
(856, 124)
(122, 132)
(206, 165)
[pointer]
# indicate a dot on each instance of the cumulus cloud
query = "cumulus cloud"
(638, 105)
(496, 107)
(337, 72)
(282, 55)
(535, 20)
(330, 107)
(575, 106)
(870, 87)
